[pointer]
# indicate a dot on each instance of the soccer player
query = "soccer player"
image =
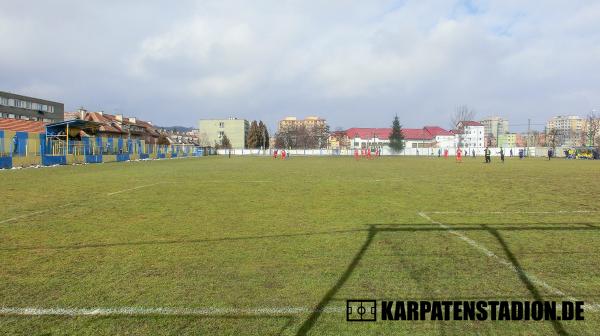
(356, 157)
(283, 154)
(275, 154)
(502, 154)
(488, 155)
(459, 155)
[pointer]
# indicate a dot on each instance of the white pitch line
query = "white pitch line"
(511, 212)
(137, 311)
(33, 213)
(232, 181)
(136, 188)
(588, 306)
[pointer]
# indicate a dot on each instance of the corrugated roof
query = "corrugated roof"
(19, 125)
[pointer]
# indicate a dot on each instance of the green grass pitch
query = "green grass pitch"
(256, 246)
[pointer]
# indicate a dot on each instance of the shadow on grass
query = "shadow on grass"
(558, 327)
(329, 296)
(314, 316)
(397, 227)
(182, 241)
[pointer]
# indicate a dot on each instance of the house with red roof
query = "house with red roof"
(426, 137)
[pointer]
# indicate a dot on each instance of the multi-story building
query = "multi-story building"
(213, 131)
(13, 106)
(469, 134)
(494, 127)
(507, 140)
(308, 122)
(566, 130)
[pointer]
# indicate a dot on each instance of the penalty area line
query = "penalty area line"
(139, 311)
(594, 307)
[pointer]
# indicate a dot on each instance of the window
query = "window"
(4, 101)
(35, 106)
(27, 104)
(11, 116)
(24, 118)
(46, 120)
(221, 134)
(221, 124)
(51, 109)
(18, 103)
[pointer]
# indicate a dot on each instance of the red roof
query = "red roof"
(471, 123)
(19, 125)
(438, 131)
(425, 133)
(368, 133)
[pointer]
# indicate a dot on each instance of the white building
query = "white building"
(470, 134)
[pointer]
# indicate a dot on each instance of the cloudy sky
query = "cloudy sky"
(356, 63)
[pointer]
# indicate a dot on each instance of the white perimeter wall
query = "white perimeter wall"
(386, 151)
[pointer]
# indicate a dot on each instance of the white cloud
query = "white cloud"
(354, 62)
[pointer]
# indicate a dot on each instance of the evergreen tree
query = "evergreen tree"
(264, 135)
(253, 140)
(225, 143)
(396, 137)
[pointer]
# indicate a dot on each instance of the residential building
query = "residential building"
(426, 137)
(118, 126)
(179, 136)
(308, 122)
(14, 106)
(494, 127)
(568, 130)
(507, 140)
(213, 131)
(469, 134)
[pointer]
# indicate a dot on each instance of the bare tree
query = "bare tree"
(592, 129)
(203, 140)
(552, 137)
(462, 113)
(302, 137)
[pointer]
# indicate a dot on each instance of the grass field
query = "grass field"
(250, 245)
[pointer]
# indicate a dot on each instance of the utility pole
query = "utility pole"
(528, 134)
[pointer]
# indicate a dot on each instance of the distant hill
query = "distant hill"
(176, 128)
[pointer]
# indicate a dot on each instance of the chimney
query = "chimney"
(82, 112)
(101, 113)
(119, 117)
